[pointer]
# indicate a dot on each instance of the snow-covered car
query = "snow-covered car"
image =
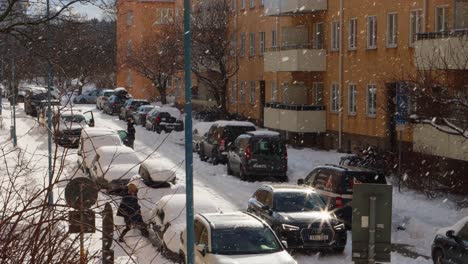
(157, 173)
(140, 114)
(68, 125)
(102, 98)
(237, 237)
(114, 166)
(451, 244)
(199, 132)
(88, 97)
(167, 221)
(93, 138)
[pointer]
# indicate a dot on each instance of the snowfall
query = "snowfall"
(419, 216)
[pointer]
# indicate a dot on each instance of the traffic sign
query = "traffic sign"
(81, 193)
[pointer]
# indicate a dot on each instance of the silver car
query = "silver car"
(88, 97)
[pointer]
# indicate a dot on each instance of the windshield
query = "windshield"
(297, 202)
(267, 147)
(73, 118)
(234, 131)
(244, 240)
(108, 94)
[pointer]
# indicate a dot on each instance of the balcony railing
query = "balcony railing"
(295, 118)
(443, 34)
(293, 7)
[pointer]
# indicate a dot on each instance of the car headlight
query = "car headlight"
(339, 227)
(289, 227)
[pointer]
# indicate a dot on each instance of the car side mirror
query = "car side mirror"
(300, 182)
(285, 243)
(450, 234)
(201, 248)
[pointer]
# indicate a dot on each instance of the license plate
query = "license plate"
(260, 166)
(170, 126)
(318, 237)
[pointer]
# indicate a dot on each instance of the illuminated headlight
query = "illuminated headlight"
(289, 227)
(339, 227)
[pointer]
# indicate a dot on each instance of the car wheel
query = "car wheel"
(202, 155)
(229, 170)
(158, 130)
(339, 250)
(214, 157)
(438, 256)
(82, 101)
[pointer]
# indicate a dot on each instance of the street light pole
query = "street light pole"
(188, 134)
(49, 112)
(12, 87)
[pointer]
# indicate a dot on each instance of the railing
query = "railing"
(443, 34)
(291, 47)
(294, 107)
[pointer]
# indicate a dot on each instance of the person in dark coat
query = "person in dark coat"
(131, 132)
(129, 209)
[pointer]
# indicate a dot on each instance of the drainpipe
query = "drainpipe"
(340, 80)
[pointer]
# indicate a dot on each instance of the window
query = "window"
(252, 3)
(335, 38)
(233, 5)
(164, 16)
(274, 92)
(392, 32)
(415, 26)
(352, 38)
(242, 47)
(371, 99)
(352, 99)
(169, 82)
(335, 97)
(242, 91)
(178, 86)
(318, 36)
(129, 79)
(317, 93)
(252, 44)
(242, 4)
(129, 48)
(262, 43)
(233, 91)
(252, 92)
(284, 91)
(274, 39)
(262, 2)
(371, 32)
(441, 19)
(233, 45)
(130, 18)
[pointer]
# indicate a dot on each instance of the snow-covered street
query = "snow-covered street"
(418, 217)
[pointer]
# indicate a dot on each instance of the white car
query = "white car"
(168, 218)
(93, 138)
(156, 173)
(102, 97)
(114, 166)
(68, 125)
(237, 238)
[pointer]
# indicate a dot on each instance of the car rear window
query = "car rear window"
(232, 132)
(267, 147)
(352, 178)
(139, 103)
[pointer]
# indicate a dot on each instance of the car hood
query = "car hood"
(278, 257)
(120, 172)
(304, 217)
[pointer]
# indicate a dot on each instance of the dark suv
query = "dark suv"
(335, 184)
(130, 106)
(258, 154)
(299, 216)
(220, 136)
(451, 244)
(159, 120)
(113, 104)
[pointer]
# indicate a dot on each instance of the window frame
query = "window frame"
(335, 36)
(242, 91)
(372, 32)
(318, 35)
(352, 99)
(252, 4)
(369, 98)
(316, 87)
(262, 39)
(352, 34)
(242, 44)
(445, 24)
(392, 30)
(417, 28)
(130, 18)
(273, 92)
(233, 91)
(274, 39)
(251, 44)
(242, 5)
(334, 95)
(252, 92)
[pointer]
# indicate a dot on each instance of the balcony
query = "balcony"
(295, 58)
(442, 50)
(295, 118)
(293, 7)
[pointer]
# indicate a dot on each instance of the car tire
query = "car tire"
(438, 256)
(82, 101)
(158, 130)
(202, 155)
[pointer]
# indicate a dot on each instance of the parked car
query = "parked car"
(237, 237)
(299, 216)
(219, 138)
(258, 154)
(113, 104)
(33, 100)
(451, 244)
(102, 98)
(114, 166)
(130, 106)
(88, 97)
(90, 140)
(200, 130)
(164, 119)
(208, 115)
(68, 126)
(140, 114)
(157, 174)
(168, 220)
(335, 184)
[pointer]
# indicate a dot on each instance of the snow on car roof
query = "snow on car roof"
(230, 220)
(118, 89)
(117, 155)
(456, 227)
(174, 112)
(233, 123)
(202, 127)
(98, 131)
(264, 133)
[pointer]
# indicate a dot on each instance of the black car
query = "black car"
(335, 184)
(68, 126)
(113, 104)
(219, 138)
(299, 216)
(159, 120)
(32, 102)
(258, 154)
(140, 114)
(451, 244)
(130, 106)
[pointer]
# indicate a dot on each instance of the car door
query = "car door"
(267, 210)
(89, 117)
(203, 239)
(209, 142)
(321, 182)
(233, 155)
(255, 203)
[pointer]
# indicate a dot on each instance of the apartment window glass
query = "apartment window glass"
(242, 4)
(242, 44)
(233, 91)
(233, 45)
(352, 99)
(178, 82)
(233, 5)
(274, 92)
(318, 36)
(352, 38)
(392, 32)
(335, 97)
(129, 79)
(274, 38)
(335, 38)
(252, 3)
(441, 19)
(371, 32)
(317, 93)
(284, 91)
(371, 99)
(169, 82)
(242, 91)
(130, 18)
(129, 48)
(251, 44)
(262, 43)
(164, 16)
(262, 2)
(252, 92)
(415, 25)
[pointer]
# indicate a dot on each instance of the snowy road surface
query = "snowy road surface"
(421, 217)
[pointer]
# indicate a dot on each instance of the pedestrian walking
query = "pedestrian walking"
(129, 209)
(131, 131)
